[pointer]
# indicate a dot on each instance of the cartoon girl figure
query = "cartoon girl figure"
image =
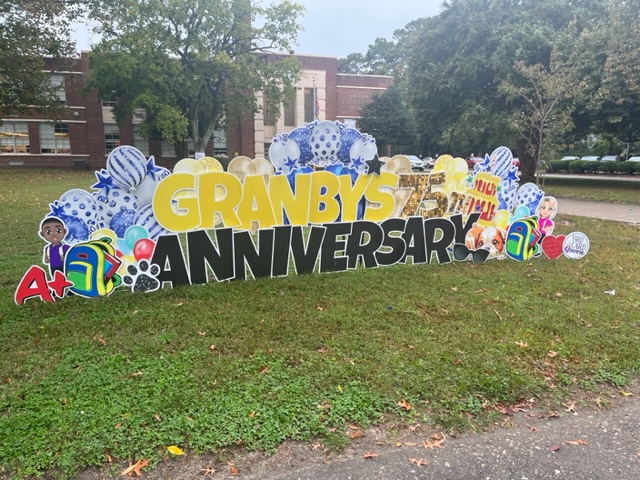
(547, 209)
(53, 231)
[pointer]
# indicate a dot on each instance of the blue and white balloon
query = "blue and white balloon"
(500, 162)
(127, 166)
(362, 150)
(325, 143)
(111, 203)
(145, 218)
(80, 204)
(529, 195)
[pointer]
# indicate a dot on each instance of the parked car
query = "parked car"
(569, 158)
(471, 161)
(634, 159)
(429, 162)
(416, 163)
(590, 158)
(610, 158)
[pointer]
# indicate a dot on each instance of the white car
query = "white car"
(569, 158)
(590, 158)
(634, 159)
(610, 158)
(416, 163)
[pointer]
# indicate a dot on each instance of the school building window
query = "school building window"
(140, 142)
(309, 105)
(54, 138)
(14, 138)
(290, 110)
(111, 137)
(270, 112)
(57, 80)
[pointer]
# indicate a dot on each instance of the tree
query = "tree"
(537, 111)
(388, 120)
(192, 65)
(457, 61)
(29, 31)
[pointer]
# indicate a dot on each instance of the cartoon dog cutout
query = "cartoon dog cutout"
(488, 238)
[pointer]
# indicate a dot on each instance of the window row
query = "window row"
(55, 139)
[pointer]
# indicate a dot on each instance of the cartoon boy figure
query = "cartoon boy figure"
(53, 231)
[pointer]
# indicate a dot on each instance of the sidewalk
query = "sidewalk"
(605, 446)
(606, 211)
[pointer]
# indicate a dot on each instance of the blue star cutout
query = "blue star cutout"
(291, 163)
(356, 163)
(105, 182)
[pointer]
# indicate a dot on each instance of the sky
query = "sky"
(338, 27)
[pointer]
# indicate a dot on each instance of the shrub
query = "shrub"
(628, 167)
(607, 167)
(590, 167)
(558, 166)
(576, 166)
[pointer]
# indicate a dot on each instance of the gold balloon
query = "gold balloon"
(186, 165)
(238, 166)
(398, 164)
(208, 164)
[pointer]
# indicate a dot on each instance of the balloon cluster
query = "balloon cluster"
(333, 146)
(122, 197)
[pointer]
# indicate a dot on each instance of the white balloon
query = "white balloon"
(145, 190)
(281, 153)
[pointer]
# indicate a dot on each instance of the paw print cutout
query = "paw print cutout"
(142, 277)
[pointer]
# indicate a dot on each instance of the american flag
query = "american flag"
(316, 101)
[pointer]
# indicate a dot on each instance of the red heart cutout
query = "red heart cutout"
(552, 246)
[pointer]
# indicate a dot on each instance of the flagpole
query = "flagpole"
(316, 103)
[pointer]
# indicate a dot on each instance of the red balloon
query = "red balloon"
(143, 249)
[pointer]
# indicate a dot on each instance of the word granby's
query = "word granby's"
(185, 202)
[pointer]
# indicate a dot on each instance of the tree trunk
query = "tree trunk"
(527, 163)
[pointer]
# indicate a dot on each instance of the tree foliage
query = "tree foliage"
(192, 64)
(388, 120)
(29, 31)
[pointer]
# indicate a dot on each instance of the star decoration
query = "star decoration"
(356, 163)
(152, 170)
(374, 165)
(291, 163)
(105, 182)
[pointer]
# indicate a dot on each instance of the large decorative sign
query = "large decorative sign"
(324, 202)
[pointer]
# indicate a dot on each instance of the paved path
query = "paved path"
(608, 211)
(605, 446)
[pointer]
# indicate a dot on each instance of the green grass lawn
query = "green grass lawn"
(594, 188)
(207, 368)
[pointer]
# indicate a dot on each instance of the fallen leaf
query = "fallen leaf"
(521, 344)
(403, 404)
(455, 289)
(554, 448)
(558, 294)
(571, 407)
(212, 347)
(202, 334)
(499, 316)
(577, 442)
(208, 471)
(321, 350)
(418, 461)
(157, 417)
(264, 370)
(626, 394)
(437, 442)
(370, 455)
(552, 354)
(356, 434)
(98, 339)
(175, 450)
(135, 468)
(109, 458)
(398, 444)
(233, 470)
(532, 428)
(319, 308)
